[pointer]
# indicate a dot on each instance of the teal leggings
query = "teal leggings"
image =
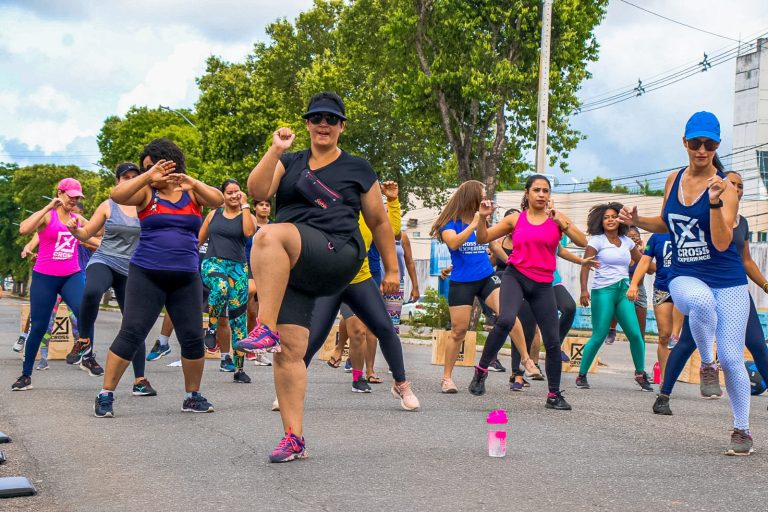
(606, 303)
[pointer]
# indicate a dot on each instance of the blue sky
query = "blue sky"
(67, 65)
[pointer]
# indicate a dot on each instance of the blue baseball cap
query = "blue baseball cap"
(326, 103)
(703, 124)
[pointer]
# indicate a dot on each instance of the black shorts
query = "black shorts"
(463, 294)
(319, 271)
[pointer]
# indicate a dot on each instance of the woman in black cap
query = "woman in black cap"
(314, 249)
(108, 268)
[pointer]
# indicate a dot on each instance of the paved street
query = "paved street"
(609, 453)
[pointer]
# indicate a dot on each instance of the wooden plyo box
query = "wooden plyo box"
(574, 348)
(330, 345)
(62, 339)
(467, 350)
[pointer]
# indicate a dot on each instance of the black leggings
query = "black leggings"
(515, 288)
(146, 293)
(365, 300)
(98, 279)
(567, 308)
(528, 321)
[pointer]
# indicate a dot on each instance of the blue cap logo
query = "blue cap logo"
(703, 124)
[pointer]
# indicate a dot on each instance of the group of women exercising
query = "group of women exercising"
(277, 287)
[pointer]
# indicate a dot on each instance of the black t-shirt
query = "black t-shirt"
(741, 234)
(348, 175)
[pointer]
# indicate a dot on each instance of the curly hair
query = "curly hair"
(164, 149)
(595, 218)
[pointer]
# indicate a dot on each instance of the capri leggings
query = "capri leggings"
(228, 284)
(146, 292)
(42, 298)
(720, 313)
(607, 303)
(98, 279)
(364, 298)
(515, 287)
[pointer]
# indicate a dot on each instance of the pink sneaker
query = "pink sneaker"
(261, 339)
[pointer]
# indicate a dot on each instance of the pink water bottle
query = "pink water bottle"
(497, 433)
(657, 373)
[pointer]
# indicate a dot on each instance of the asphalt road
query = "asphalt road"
(609, 453)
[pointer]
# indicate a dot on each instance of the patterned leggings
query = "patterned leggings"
(228, 282)
(720, 313)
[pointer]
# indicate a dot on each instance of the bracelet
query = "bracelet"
(244, 207)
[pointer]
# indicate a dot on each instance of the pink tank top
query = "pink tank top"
(535, 248)
(57, 253)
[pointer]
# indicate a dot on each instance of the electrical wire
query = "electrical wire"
(678, 22)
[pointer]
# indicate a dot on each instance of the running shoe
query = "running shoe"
(90, 365)
(23, 383)
(261, 339)
(535, 376)
(496, 366)
(289, 448)
(209, 340)
(642, 381)
(611, 337)
(103, 406)
(557, 402)
(741, 443)
(261, 359)
(227, 365)
(526, 384)
(361, 385)
(581, 381)
(42, 364)
(709, 385)
(564, 357)
(158, 351)
(673, 339)
(18, 346)
(348, 366)
(196, 403)
(477, 385)
(448, 387)
(275, 406)
(661, 406)
(143, 388)
(404, 393)
(516, 386)
(241, 377)
(81, 348)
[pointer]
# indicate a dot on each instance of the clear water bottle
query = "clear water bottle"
(497, 433)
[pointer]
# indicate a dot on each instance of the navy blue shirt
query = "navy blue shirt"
(470, 261)
(659, 248)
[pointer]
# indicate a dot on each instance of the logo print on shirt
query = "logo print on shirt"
(689, 239)
(667, 252)
(65, 246)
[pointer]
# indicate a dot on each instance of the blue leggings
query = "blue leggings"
(42, 298)
(755, 343)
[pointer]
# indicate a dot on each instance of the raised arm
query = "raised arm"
(38, 220)
(455, 240)
(394, 212)
(137, 192)
(91, 227)
(504, 227)
(249, 224)
(722, 219)
(376, 219)
(655, 224)
(202, 236)
(265, 177)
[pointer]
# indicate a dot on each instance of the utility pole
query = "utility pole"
(543, 110)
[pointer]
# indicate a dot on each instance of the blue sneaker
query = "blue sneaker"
(227, 365)
(564, 357)
(196, 403)
(103, 406)
(348, 366)
(158, 351)
(260, 339)
(516, 386)
(289, 448)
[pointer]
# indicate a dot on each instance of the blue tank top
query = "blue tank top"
(168, 238)
(693, 253)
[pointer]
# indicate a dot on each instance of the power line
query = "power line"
(678, 22)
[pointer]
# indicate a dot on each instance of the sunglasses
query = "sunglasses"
(695, 144)
(331, 119)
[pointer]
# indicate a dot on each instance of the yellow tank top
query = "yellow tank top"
(395, 218)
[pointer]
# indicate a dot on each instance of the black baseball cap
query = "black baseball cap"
(126, 167)
(326, 102)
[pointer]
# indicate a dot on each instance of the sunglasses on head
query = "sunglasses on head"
(331, 119)
(695, 144)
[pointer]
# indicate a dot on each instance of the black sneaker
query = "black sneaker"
(23, 383)
(477, 386)
(143, 388)
(361, 385)
(496, 366)
(581, 382)
(661, 406)
(241, 377)
(196, 403)
(557, 402)
(103, 406)
(209, 340)
(643, 382)
(81, 348)
(90, 365)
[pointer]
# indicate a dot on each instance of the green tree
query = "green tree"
(600, 184)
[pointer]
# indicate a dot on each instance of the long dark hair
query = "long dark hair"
(462, 204)
(528, 184)
(595, 218)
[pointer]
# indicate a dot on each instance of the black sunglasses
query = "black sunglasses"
(695, 144)
(331, 119)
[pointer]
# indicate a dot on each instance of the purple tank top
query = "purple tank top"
(57, 253)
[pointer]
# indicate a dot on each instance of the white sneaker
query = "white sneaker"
(275, 405)
(19, 345)
(261, 360)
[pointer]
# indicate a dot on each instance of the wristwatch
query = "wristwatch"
(715, 206)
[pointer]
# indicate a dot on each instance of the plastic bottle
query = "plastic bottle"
(657, 373)
(497, 433)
